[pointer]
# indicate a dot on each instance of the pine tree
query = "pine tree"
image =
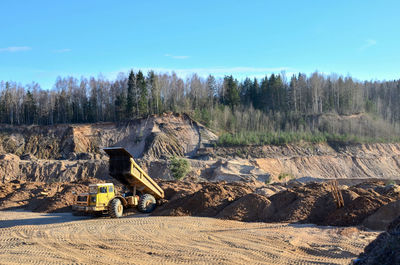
(211, 90)
(245, 90)
(142, 92)
(120, 107)
(232, 92)
(155, 101)
(30, 110)
(131, 99)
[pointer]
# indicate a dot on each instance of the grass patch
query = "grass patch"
(281, 138)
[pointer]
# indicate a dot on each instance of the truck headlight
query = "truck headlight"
(93, 199)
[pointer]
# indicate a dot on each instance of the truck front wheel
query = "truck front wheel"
(115, 208)
(147, 203)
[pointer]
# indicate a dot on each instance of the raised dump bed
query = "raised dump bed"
(123, 167)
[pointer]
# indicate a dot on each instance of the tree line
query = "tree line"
(273, 103)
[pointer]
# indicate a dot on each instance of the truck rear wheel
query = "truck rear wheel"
(115, 208)
(147, 203)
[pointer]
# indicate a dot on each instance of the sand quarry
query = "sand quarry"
(205, 222)
(232, 208)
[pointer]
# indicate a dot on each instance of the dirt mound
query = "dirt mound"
(249, 208)
(209, 200)
(303, 203)
(383, 216)
(243, 201)
(313, 203)
(307, 203)
(357, 210)
(385, 249)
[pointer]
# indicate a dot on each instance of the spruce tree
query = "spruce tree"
(155, 93)
(130, 101)
(232, 92)
(142, 92)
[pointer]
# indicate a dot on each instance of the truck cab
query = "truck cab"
(97, 199)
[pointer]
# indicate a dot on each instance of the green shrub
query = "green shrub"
(391, 182)
(285, 176)
(179, 167)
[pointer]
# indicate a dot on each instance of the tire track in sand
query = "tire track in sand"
(174, 240)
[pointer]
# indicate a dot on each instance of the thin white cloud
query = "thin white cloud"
(222, 71)
(368, 43)
(15, 49)
(238, 72)
(62, 50)
(179, 57)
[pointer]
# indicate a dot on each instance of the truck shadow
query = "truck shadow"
(39, 219)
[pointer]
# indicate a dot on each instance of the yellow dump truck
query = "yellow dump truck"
(143, 191)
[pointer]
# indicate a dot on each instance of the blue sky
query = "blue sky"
(40, 40)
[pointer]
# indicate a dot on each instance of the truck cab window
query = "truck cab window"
(103, 189)
(110, 189)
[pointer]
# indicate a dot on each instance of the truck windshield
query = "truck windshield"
(93, 189)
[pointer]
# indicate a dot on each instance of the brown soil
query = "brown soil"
(207, 201)
(310, 203)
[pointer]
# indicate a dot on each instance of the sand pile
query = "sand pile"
(370, 204)
(385, 249)
(309, 203)
(209, 200)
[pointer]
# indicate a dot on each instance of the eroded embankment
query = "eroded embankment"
(152, 137)
(327, 161)
(71, 152)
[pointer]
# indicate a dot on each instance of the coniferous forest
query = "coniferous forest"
(274, 109)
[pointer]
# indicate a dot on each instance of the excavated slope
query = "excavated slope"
(325, 161)
(71, 152)
(150, 137)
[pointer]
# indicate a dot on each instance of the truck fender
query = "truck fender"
(122, 199)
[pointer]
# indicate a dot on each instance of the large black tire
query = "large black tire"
(115, 208)
(78, 213)
(147, 203)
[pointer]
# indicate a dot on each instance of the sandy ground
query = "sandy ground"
(34, 238)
